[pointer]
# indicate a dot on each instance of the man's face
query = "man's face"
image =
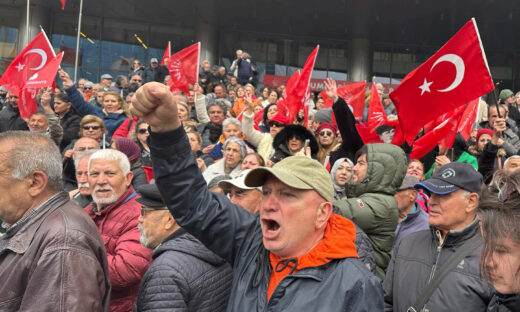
(107, 181)
(405, 198)
(154, 65)
(84, 144)
(360, 169)
(190, 98)
(503, 266)
(239, 53)
(136, 79)
(448, 211)
(82, 176)
(216, 115)
(206, 67)
(106, 82)
(512, 165)
(250, 200)
(12, 100)
(81, 84)
(99, 96)
(15, 201)
(38, 123)
(233, 81)
(152, 227)
(493, 115)
(288, 218)
(219, 92)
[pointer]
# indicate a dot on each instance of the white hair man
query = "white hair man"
(81, 195)
(51, 256)
(115, 212)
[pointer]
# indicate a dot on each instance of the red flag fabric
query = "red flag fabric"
(296, 93)
(376, 112)
(167, 53)
(443, 134)
(367, 134)
(184, 68)
(456, 74)
(63, 4)
(469, 118)
(291, 83)
(353, 94)
(31, 59)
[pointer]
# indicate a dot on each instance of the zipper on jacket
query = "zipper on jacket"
(439, 249)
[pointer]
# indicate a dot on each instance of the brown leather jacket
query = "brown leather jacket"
(55, 262)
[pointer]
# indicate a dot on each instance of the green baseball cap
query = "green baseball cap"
(299, 172)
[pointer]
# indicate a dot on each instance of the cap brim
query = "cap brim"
(149, 202)
(227, 184)
(437, 186)
(257, 178)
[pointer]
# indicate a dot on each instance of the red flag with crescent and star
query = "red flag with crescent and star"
(456, 74)
(184, 68)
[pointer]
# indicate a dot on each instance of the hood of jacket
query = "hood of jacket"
(182, 241)
(295, 130)
(386, 168)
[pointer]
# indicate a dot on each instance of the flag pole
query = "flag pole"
(27, 23)
(77, 41)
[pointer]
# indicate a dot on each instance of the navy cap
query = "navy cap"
(451, 177)
(150, 196)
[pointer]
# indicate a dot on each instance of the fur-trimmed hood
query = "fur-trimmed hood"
(295, 130)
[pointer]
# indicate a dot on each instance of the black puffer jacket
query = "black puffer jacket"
(504, 303)
(419, 256)
(280, 141)
(184, 276)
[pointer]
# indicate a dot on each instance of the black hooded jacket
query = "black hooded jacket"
(280, 141)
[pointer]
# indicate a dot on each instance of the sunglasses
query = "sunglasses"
(136, 80)
(145, 209)
(83, 148)
(276, 124)
(142, 131)
(87, 88)
(326, 133)
(91, 127)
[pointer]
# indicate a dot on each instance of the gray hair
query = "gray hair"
(219, 102)
(88, 84)
(83, 155)
(234, 139)
(234, 121)
(112, 154)
(512, 157)
(34, 152)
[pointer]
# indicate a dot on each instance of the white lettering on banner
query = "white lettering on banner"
(36, 82)
(175, 69)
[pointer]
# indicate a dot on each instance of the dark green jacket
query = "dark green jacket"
(371, 204)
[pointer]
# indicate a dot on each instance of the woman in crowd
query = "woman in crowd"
(291, 142)
(272, 98)
(69, 120)
(341, 174)
(133, 152)
(269, 112)
(416, 169)
(231, 127)
(203, 160)
(114, 110)
(248, 98)
(184, 111)
(252, 160)
(234, 151)
(139, 136)
(326, 134)
(489, 152)
(499, 213)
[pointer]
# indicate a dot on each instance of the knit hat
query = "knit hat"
(504, 94)
(326, 125)
(484, 131)
(129, 148)
(299, 172)
(324, 115)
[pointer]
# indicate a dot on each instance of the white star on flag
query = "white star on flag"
(20, 66)
(425, 87)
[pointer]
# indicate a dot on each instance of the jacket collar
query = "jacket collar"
(458, 237)
(127, 195)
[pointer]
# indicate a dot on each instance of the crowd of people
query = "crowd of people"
(123, 196)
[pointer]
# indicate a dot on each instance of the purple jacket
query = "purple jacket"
(416, 220)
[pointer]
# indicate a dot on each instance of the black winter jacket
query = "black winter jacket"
(184, 276)
(504, 303)
(416, 259)
(70, 124)
(10, 119)
(235, 235)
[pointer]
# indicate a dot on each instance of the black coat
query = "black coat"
(10, 119)
(70, 124)
(504, 303)
(184, 276)
(280, 141)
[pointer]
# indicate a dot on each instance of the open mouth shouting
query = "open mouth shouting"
(270, 228)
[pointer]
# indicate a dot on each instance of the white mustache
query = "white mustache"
(103, 188)
(83, 185)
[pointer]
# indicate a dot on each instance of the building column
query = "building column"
(39, 15)
(206, 31)
(360, 54)
(360, 60)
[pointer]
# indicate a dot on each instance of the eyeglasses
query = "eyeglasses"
(276, 124)
(87, 88)
(91, 127)
(83, 148)
(145, 209)
(326, 133)
(142, 131)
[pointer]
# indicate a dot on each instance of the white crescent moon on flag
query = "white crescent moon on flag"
(459, 67)
(42, 54)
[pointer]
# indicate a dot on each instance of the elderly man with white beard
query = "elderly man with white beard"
(81, 195)
(114, 210)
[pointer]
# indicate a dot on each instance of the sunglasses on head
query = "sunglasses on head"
(91, 127)
(142, 131)
(326, 133)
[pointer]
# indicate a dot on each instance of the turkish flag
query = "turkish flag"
(167, 53)
(43, 78)
(184, 68)
(31, 59)
(443, 134)
(297, 93)
(469, 118)
(453, 76)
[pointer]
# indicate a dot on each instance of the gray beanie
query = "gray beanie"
(323, 115)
